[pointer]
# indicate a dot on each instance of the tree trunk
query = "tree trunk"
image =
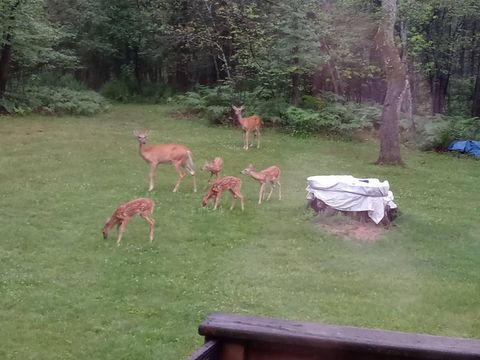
(395, 76)
(295, 99)
(5, 57)
(295, 88)
(439, 93)
(476, 95)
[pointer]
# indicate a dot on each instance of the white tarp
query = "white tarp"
(347, 193)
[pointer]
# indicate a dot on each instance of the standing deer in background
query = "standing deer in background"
(123, 214)
(214, 167)
(269, 175)
(231, 183)
(248, 124)
(175, 154)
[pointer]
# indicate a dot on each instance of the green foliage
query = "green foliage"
(333, 119)
(437, 132)
(53, 100)
(126, 89)
(213, 103)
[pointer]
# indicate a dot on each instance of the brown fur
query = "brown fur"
(248, 124)
(214, 167)
(176, 154)
(270, 175)
(122, 215)
(230, 183)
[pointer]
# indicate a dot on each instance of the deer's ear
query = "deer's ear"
(241, 107)
(135, 132)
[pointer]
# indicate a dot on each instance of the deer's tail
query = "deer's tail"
(189, 164)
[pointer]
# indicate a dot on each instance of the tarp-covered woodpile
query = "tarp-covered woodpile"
(347, 193)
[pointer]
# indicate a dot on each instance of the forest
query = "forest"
(306, 66)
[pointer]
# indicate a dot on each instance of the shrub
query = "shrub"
(126, 89)
(314, 115)
(54, 100)
(437, 132)
(334, 119)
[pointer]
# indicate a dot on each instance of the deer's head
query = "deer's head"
(238, 110)
(205, 200)
(141, 136)
(248, 170)
(105, 229)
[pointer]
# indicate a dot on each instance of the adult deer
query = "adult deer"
(231, 183)
(177, 155)
(214, 167)
(123, 214)
(248, 124)
(269, 175)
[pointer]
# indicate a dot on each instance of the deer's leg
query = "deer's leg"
(279, 190)
(234, 198)
(262, 189)
(218, 195)
(151, 222)
(272, 186)
(181, 175)
(239, 195)
(258, 138)
(121, 229)
(153, 172)
(188, 166)
(246, 140)
(194, 183)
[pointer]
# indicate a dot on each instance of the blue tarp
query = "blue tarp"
(467, 146)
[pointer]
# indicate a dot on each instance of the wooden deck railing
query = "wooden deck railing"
(233, 337)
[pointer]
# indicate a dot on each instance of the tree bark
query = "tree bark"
(395, 76)
(476, 95)
(5, 57)
(295, 89)
(439, 93)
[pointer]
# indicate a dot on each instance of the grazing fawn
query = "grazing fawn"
(214, 167)
(248, 124)
(231, 183)
(123, 214)
(269, 175)
(175, 154)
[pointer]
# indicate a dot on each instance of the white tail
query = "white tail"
(269, 175)
(231, 183)
(177, 155)
(122, 215)
(214, 167)
(248, 124)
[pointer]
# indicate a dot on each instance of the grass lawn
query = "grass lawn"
(68, 294)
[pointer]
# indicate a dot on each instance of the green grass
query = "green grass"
(68, 294)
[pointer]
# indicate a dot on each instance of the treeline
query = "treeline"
(286, 49)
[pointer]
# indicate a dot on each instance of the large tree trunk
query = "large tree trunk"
(395, 76)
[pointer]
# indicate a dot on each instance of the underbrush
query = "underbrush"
(324, 115)
(48, 95)
(328, 114)
(437, 132)
(126, 89)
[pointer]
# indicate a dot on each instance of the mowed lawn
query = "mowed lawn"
(65, 293)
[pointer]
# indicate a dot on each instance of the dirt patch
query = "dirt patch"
(349, 228)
